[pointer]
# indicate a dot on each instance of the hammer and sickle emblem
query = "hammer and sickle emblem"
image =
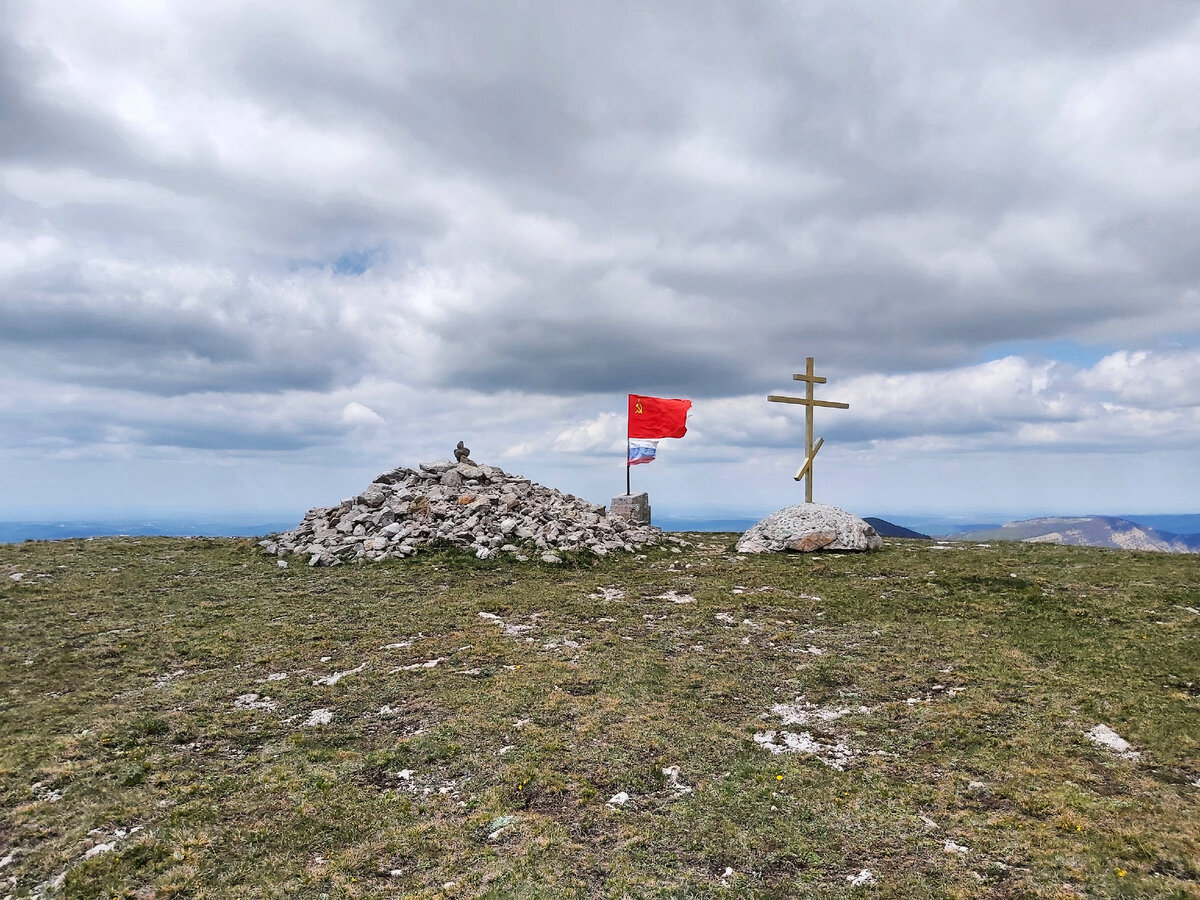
(637, 407)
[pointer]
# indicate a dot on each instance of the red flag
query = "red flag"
(654, 417)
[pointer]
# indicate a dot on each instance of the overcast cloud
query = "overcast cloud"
(253, 254)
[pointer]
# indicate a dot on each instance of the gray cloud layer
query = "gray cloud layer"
(573, 200)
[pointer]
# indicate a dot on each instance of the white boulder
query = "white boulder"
(806, 527)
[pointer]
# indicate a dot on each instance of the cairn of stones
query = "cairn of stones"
(479, 508)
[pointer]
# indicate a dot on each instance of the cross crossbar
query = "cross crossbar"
(804, 401)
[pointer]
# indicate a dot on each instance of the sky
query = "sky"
(253, 255)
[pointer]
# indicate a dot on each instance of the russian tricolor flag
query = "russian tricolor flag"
(641, 451)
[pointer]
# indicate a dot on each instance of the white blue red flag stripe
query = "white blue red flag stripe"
(641, 451)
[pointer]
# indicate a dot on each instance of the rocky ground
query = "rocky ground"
(463, 504)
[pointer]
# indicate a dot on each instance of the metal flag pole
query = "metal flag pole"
(627, 491)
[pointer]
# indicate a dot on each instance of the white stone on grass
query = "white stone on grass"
(1105, 737)
(835, 756)
(672, 773)
(318, 717)
(864, 877)
(607, 594)
(428, 664)
(254, 701)
(804, 713)
(338, 676)
(510, 630)
(676, 597)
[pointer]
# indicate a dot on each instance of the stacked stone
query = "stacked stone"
(477, 507)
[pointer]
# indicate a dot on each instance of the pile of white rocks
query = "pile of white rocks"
(476, 507)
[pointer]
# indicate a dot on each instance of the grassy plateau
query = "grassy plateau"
(182, 718)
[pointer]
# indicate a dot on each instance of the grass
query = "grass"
(126, 674)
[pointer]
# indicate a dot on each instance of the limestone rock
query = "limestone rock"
(479, 508)
(806, 527)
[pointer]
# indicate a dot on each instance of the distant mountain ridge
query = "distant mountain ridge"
(1087, 531)
(890, 529)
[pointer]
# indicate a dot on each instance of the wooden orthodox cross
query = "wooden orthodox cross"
(810, 450)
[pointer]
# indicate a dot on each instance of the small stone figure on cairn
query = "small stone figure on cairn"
(462, 453)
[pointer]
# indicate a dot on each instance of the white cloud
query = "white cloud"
(354, 413)
(604, 433)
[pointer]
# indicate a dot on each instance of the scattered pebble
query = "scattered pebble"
(618, 799)
(17, 576)
(45, 794)
(318, 717)
(672, 773)
(1106, 737)
(98, 849)
(282, 563)
(338, 676)
(804, 713)
(608, 594)
(835, 756)
(951, 847)
(675, 597)
(510, 630)
(864, 877)
(254, 701)
(428, 664)
(498, 825)
(108, 846)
